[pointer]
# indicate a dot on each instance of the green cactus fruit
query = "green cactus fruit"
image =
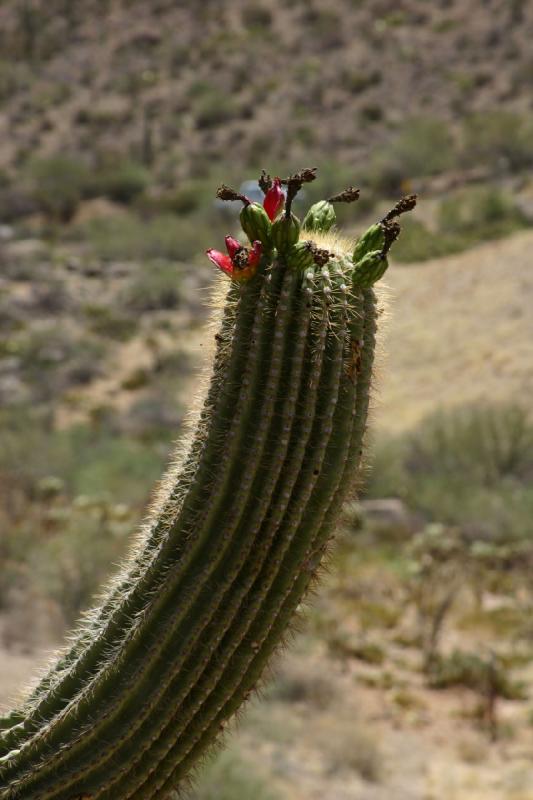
(285, 232)
(256, 224)
(371, 239)
(370, 269)
(320, 218)
(233, 542)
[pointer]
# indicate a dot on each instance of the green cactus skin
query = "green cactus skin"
(184, 633)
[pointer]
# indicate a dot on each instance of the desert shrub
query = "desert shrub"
(350, 747)
(121, 183)
(68, 510)
(183, 200)
(470, 466)
(90, 461)
(229, 777)
(464, 218)
(154, 418)
(504, 138)
(257, 17)
(479, 213)
(107, 322)
(58, 184)
(214, 107)
(484, 674)
(439, 566)
(358, 80)
(482, 444)
(344, 646)
(157, 286)
(49, 354)
(130, 237)
(82, 540)
(424, 146)
(325, 26)
(418, 243)
(50, 298)
(300, 682)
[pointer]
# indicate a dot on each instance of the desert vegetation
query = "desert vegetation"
(410, 672)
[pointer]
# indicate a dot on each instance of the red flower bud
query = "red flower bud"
(241, 262)
(232, 246)
(255, 254)
(221, 260)
(274, 200)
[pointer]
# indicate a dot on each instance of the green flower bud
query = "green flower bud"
(256, 224)
(320, 218)
(372, 239)
(285, 233)
(370, 269)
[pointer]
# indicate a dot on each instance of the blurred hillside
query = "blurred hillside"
(182, 86)
(118, 119)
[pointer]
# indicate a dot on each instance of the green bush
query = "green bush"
(482, 444)
(471, 466)
(475, 672)
(89, 460)
(257, 18)
(82, 540)
(183, 200)
(122, 183)
(107, 322)
(479, 213)
(213, 108)
(130, 237)
(157, 286)
(228, 777)
(58, 184)
(418, 243)
(423, 146)
(465, 217)
(70, 507)
(501, 137)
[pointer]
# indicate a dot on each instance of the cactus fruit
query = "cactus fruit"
(236, 535)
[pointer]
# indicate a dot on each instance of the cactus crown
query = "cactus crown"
(273, 227)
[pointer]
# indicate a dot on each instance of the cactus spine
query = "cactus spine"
(184, 633)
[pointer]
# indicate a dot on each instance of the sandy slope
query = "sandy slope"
(460, 330)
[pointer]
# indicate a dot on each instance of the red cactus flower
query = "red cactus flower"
(274, 200)
(240, 263)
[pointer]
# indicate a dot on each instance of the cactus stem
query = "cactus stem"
(349, 195)
(265, 181)
(227, 193)
(403, 205)
(294, 183)
(391, 231)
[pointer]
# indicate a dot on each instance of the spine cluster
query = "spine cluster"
(183, 635)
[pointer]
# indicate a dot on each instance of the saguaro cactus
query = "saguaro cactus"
(240, 525)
